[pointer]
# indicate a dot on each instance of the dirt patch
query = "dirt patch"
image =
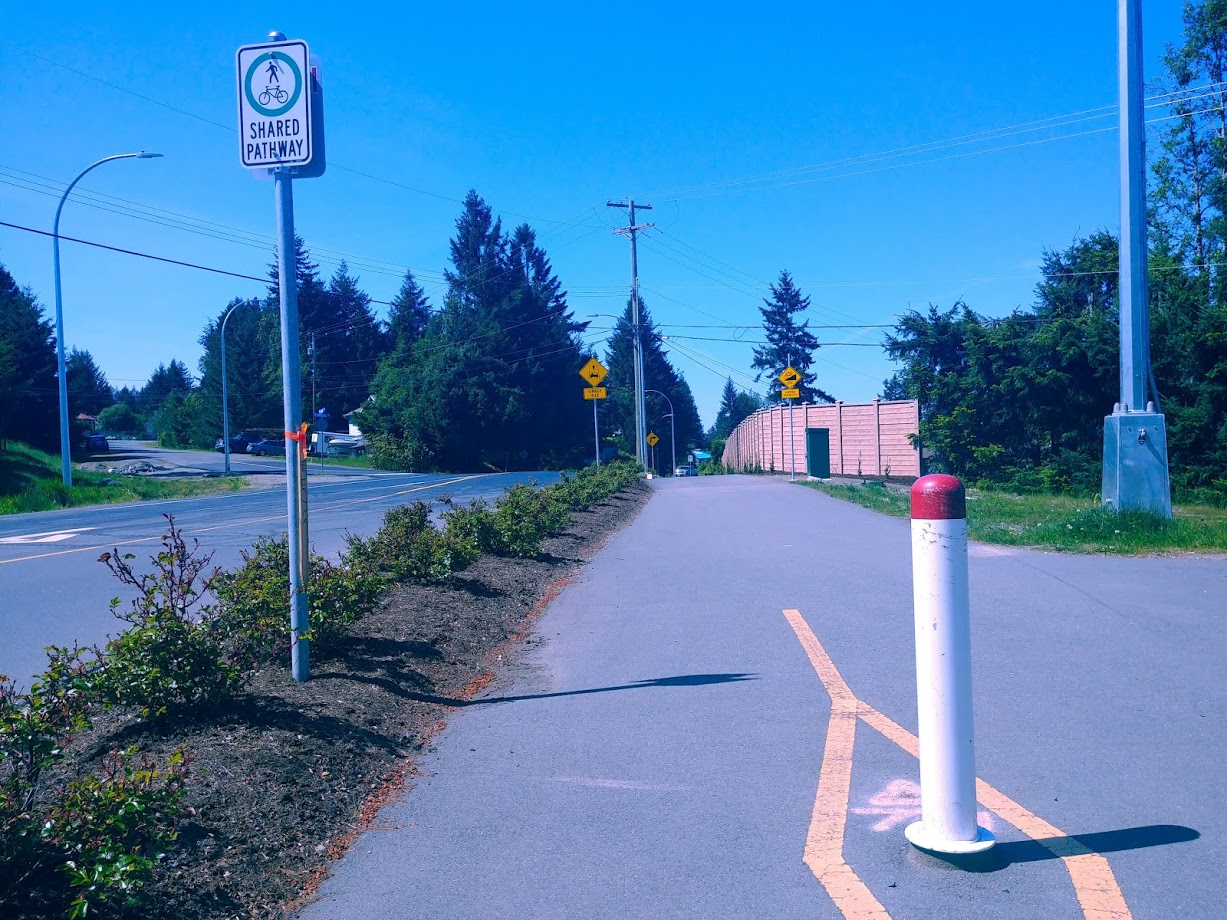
(287, 777)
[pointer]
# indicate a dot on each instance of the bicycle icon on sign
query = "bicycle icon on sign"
(273, 92)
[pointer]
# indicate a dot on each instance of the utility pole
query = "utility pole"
(311, 355)
(1135, 469)
(631, 230)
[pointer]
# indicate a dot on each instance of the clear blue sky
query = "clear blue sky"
(548, 110)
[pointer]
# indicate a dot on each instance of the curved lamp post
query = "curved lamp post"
(225, 400)
(672, 430)
(65, 438)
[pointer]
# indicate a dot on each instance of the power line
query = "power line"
(233, 130)
(1051, 122)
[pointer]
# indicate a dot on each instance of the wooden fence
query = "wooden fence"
(864, 439)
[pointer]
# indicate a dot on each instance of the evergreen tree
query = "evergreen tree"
(165, 380)
(346, 355)
(735, 407)
(89, 391)
(618, 416)
(491, 382)
(408, 315)
(253, 403)
(789, 341)
(29, 404)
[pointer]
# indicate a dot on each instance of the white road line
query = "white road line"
(47, 536)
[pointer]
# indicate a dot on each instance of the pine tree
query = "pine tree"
(253, 401)
(618, 417)
(735, 406)
(789, 342)
(29, 407)
(89, 391)
(408, 315)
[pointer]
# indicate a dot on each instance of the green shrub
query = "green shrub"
(95, 840)
(255, 602)
(172, 656)
(469, 528)
(520, 523)
(110, 831)
(408, 546)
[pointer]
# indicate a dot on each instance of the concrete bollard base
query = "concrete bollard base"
(919, 836)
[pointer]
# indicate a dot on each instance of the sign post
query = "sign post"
(279, 105)
(790, 377)
(594, 372)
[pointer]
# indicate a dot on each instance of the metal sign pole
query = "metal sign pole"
(300, 658)
(596, 434)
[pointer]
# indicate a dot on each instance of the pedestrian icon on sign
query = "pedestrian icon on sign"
(274, 71)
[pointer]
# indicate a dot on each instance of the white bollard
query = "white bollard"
(943, 671)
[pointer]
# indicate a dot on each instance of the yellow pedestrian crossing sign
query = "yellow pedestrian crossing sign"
(594, 372)
(789, 377)
(652, 439)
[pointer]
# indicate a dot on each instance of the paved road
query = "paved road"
(53, 590)
(179, 463)
(659, 754)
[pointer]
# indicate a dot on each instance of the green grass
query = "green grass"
(363, 462)
(30, 481)
(1059, 522)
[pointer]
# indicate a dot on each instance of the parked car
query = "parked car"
(241, 441)
(267, 446)
(97, 443)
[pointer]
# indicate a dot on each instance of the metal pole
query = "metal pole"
(225, 397)
(1135, 464)
(1134, 312)
(640, 407)
(596, 433)
(792, 438)
(943, 671)
(300, 660)
(672, 415)
(61, 363)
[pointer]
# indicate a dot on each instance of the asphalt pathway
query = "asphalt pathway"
(658, 753)
(54, 591)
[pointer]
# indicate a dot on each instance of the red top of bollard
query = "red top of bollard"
(938, 497)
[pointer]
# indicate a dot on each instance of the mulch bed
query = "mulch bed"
(285, 778)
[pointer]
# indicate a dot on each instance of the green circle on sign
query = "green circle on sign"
(281, 107)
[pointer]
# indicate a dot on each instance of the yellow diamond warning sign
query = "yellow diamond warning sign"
(789, 377)
(652, 439)
(594, 372)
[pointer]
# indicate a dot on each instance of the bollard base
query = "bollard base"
(919, 837)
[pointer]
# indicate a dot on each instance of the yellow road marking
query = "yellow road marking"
(1098, 892)
(260, 520)
(824, 844)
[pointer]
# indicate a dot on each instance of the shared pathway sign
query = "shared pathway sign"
(275, 104)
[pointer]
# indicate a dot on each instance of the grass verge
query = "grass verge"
(30, 481)
(1059, 522)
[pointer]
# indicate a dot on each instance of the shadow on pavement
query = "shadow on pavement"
(684, 680)
(393, 686)
(1025, 851)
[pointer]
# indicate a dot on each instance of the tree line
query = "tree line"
(486, 379)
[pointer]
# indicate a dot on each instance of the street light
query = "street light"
(672, 431)
(65, 443)
(225, 400)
